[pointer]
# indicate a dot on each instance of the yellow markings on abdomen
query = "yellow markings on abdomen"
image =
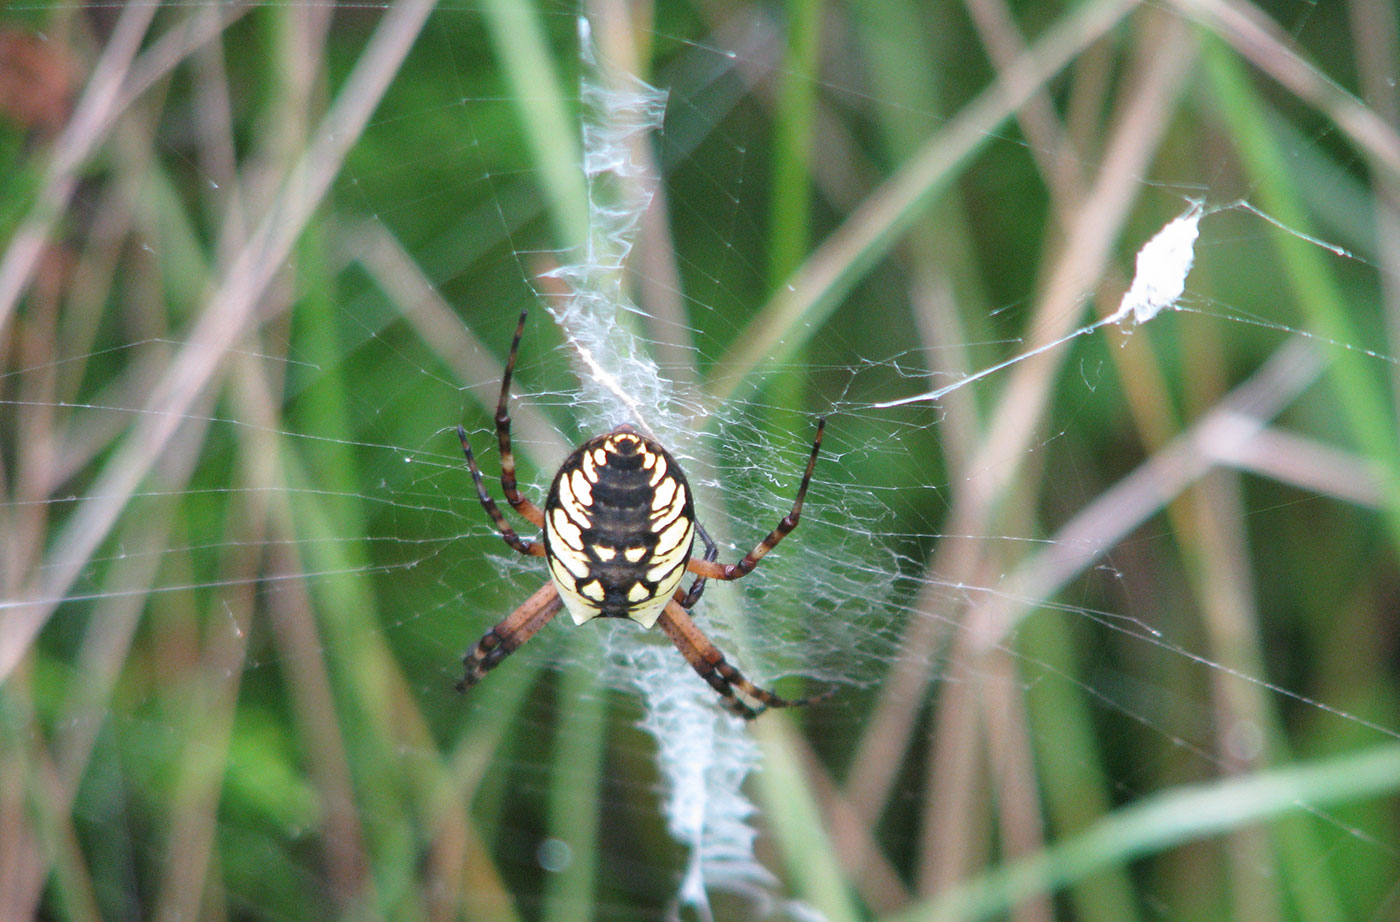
(665, 492)
(561, 529)
(658, 471)
(671, 548)
(618, 528)
(582, 489)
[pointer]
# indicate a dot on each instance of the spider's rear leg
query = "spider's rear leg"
(706, 659)
(508, 636)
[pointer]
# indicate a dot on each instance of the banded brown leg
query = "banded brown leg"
(706, 659)
(512, 633)
(709, 569)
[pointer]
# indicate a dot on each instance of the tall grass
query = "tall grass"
(259, 261)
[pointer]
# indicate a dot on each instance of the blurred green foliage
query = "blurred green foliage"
(240, 707)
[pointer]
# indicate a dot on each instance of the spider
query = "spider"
(619, 523)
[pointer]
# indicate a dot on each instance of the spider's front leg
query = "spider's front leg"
(523, 545)
(706, 659)
(709, 569)
(508, 483)
(508, 636)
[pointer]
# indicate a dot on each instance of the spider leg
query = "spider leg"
(508, 483)
(709, 569)
(508, 636)
(697, 588)
(705, 658)
(524, 546)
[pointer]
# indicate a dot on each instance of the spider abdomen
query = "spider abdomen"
(619, 523)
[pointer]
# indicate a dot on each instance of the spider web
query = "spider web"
(1102, 600)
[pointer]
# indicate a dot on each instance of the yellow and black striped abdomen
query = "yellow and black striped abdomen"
(618, 527)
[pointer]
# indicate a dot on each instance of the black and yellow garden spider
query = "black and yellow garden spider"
(619, 523)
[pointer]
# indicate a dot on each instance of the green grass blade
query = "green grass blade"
(1174, 818)
(798, 308)
(539, 97)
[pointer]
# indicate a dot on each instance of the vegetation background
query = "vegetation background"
(258, 259)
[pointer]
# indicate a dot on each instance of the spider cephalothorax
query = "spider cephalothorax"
(619, 524)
